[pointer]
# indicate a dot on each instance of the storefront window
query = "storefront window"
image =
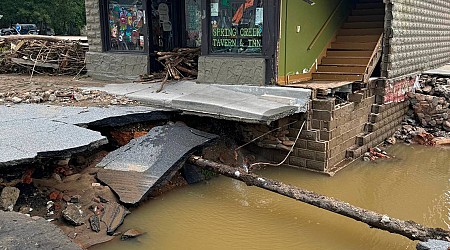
(126, 22)
(193, 23)
(236, 26)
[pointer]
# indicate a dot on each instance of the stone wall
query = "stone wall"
(417, 36)
(231, 70)
(93, 29)
(108, 65)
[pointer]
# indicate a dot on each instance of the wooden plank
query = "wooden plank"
(360, 32)
(349, 53)
(338, 77)
(353, 46)
(366, 18)
(371, 11)
(346, 60)
(357, 38)
(362, 25)
(333, 68)
(31, 63)
(323, 85)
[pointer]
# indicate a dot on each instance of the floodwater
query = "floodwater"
(226, 214)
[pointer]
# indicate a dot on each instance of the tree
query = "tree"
(66, 17)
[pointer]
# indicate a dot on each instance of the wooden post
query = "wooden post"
(409, 229)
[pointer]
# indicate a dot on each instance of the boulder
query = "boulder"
(8, 198)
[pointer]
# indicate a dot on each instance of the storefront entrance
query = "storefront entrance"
(150, 26)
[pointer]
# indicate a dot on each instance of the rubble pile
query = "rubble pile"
(64, 96)
(428, 119)
(375, 153)
(41, 54)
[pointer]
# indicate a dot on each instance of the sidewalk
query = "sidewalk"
(251, 104)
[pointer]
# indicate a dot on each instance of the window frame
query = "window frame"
(270, 15)
(105, 32)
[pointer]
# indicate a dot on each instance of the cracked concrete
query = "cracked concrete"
(28, 131)
(252, 104)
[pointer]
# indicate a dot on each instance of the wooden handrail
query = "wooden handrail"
(324, 26)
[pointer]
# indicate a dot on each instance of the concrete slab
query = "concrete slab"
(147, 162)
(444, 70)
(18, 231)
(28, 131)
(242, 103)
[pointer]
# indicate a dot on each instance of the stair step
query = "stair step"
(366, 18)
(366, 38)
(330, 76)
(370, 6)
(360, 32)
(339, 68)
(349, 53)
(363, 25)
(371, 11)
(353, 46)
(346, 60)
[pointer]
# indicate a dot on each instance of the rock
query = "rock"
(56, 177)
(95, 223)
(78, 97)
(75, 199)
(73, 215)
(113, 216)
(25, 210)
(433, 245)
(131, 233)
(16, 99)
(55, 196)
(52, 98)
(8, 198)
(192, 174)
(391, 140)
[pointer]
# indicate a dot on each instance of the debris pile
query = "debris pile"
(41, 54)
(428, 119)
(64, 96)
(180, 63)
(375, 153)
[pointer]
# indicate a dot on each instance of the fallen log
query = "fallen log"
(409, 229)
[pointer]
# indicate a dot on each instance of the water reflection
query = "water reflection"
(227, 214)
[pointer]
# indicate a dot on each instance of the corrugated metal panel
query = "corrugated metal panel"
(418, 36)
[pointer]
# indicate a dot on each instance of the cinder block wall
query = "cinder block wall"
(109, 65)
(337, 134)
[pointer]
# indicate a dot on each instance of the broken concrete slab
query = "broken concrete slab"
(8, 198)
(28, 131)
(147, 162)
(231, 103)
(113, 216)
(19, 231)
(433, 245)
(443, 71)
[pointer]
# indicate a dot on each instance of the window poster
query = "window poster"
(237, 26)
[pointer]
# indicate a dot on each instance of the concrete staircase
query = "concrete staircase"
(357, 48)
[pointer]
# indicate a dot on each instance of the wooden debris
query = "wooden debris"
(409, 229)
(41, 54)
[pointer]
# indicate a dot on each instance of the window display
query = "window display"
(126, 22)
(236, 26)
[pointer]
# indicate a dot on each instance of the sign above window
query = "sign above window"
(236, 26)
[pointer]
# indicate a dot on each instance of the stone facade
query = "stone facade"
(417, 36)
(109, 65)
(232, 70)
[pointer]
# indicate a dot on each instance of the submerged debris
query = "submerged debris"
(131, 233)
(375, 153)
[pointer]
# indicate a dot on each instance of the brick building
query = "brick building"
(358, 57)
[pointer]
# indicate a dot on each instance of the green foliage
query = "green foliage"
(66, 17)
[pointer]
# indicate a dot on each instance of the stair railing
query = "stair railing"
(374, 58)
(324, 26)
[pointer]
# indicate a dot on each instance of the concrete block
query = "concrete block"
(355, 97)
(319, 104)
(297, 161)
(322, 115)
(316, 165)
(318, 146)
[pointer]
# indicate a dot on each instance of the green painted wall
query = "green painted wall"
(294, 55)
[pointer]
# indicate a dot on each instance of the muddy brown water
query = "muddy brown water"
(226, 214)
